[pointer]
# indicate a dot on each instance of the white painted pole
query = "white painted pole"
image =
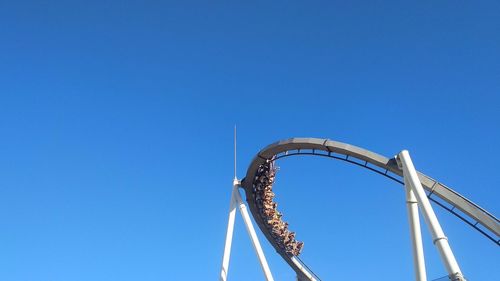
(303, 269)
(415, 234)
(438, 237)
(253, 235)
(229, 236)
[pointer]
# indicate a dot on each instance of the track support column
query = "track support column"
(438, 237)
(306, 275)
(236, 201)
(415, 234)
(251, 231)
(229, 235)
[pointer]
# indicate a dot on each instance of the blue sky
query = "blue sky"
(117, 117)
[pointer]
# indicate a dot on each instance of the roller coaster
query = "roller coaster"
(420, 190)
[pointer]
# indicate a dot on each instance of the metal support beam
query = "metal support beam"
(438, 237)
(307, 275)
(415, 234)
(253, 234)
(229, 236)
(236, 201)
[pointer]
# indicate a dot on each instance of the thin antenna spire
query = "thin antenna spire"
(235, 152)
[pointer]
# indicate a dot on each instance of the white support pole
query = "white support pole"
(307, 274)
(229, 236)
(253, 234)
(438, 237)
(415, 234)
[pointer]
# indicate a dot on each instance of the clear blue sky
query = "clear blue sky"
(116, 122)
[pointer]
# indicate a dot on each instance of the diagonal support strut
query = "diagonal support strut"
(438, 237)
(236, 201)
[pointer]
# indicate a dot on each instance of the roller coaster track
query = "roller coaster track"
(469, 212)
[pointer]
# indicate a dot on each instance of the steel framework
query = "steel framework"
(420, 190)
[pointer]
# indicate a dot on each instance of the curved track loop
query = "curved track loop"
(470, 213)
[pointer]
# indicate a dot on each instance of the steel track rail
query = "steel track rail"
(470, 212)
